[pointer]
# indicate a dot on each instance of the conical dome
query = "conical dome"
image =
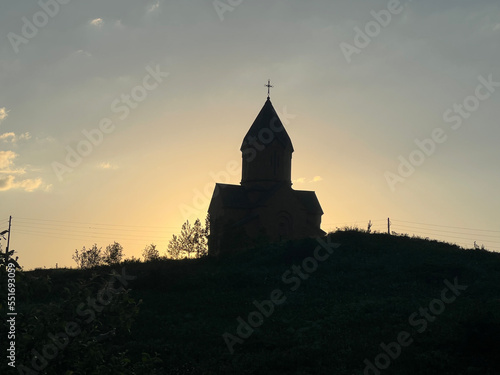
(266, 123)
(266, 151)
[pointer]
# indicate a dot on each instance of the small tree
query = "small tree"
(150, 252)
(174, 248)
(6, 258)
(113, 254)
(193, 241)
(200, 238)
(88, 258)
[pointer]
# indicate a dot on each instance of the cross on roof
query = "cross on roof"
(268, 88)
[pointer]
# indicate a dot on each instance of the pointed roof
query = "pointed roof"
(268, 119)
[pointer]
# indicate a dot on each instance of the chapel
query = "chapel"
(263, 208)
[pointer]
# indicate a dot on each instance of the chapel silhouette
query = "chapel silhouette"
(264, 207)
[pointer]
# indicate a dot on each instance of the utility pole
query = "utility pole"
(388, 226)
(8, 242)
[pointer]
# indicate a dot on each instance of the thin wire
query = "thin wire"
(469, 239)
(444, 231)
(471, 236)
(87, 234)
(56, 226)
(348, 222)
(79, 222)
(82, 238)
(446, 226)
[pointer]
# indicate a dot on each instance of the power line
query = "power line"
(445, 231)
(86, 223)
(446, 226)
(353, 222)
(72, 230)
(432, 230)
(477, 238)
(88, 234)
(75, 230)
(82, 238)
(54, 226)
(94, 232)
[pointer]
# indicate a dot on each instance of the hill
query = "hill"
(351, 303)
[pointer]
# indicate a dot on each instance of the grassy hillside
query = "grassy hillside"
(435, 309)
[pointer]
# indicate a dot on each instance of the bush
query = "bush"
(150, 252)
(88, 258)
(113, 254)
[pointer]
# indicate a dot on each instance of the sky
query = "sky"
(117, 118)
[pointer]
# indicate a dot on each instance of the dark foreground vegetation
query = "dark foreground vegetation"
(377, 304)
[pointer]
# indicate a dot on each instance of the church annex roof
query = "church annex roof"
(309, 200)
(237, 197)
(232, 196)
(267, 119)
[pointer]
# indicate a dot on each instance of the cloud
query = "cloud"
(80, 53)
(153, 7)
(45, 140)
(107, 165)
(29, 185)
(7, 137)
(6, 183)
(6, 159)
(13, 171)
(8, 178)
(26, 136)
(11, 137)
(303, 180)
(3, 114)
(97, 22)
